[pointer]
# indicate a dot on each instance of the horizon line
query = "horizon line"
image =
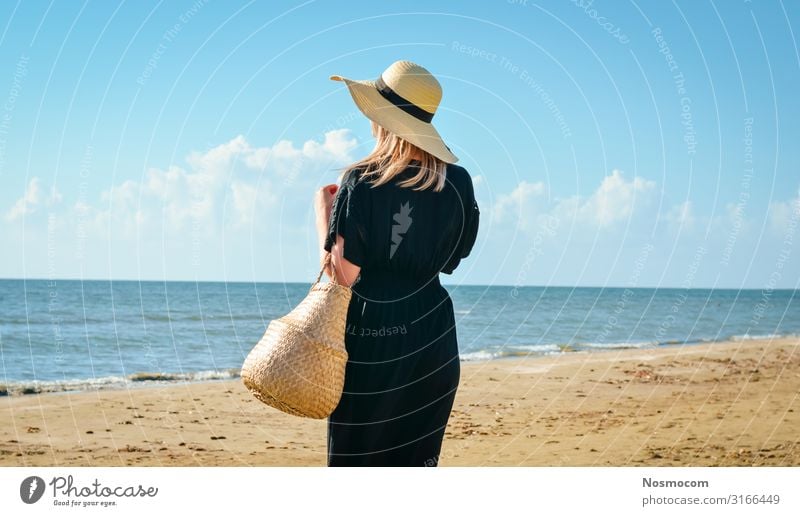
(111, 280)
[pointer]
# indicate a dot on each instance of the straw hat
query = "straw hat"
(403, 101)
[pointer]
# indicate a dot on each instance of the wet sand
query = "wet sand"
(721, 404)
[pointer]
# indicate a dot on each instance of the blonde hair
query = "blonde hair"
(392, 155)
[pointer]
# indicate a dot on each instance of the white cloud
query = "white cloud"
(614, 201)
(32, 199)
(244, 202)
(519, 203)
(219, 158)
(784, 213)
(335, 146)
(184, 198)
(681, 215)
(251, 202)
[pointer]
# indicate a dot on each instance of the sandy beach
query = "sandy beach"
(721, 404)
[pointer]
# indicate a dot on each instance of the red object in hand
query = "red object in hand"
(332, 189)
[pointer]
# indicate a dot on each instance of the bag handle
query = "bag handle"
(328, 260)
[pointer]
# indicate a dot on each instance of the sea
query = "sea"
(77, 335)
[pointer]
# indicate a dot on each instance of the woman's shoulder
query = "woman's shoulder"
(353, 176)
(459, 176)
(454, 169)
(356, 178)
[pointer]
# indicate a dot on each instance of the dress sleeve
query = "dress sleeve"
(472, 220)
(348, 218)
(468, 232)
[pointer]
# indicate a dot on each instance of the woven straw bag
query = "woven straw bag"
(298, 365)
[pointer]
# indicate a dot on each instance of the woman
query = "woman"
(401, 216)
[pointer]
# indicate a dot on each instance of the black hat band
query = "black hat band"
(409, 107)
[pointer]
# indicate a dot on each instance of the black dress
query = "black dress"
(403, 366)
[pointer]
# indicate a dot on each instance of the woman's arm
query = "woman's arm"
(346, 272)
(323, 202)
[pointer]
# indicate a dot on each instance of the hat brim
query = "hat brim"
(372, 104)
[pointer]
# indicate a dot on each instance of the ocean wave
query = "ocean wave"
(523, 350)
(179, 317)
(617, 345)
(477, 355)
(578, 347)
(768, 336)
(513, 351)
(15, 388)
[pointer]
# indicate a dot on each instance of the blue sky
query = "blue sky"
(611, 144)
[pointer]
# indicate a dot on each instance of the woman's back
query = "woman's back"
(410, 235)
